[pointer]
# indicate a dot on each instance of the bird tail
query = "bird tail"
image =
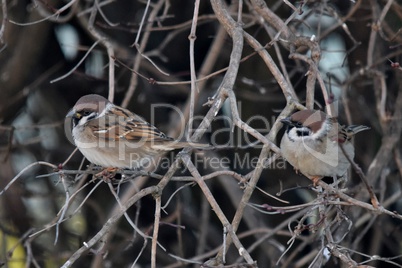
(194, 145)
(352, 130)
(173, 145)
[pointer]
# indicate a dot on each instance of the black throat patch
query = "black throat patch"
(302, 132)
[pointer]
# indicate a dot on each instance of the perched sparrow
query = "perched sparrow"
(113, 137)
(312, 141)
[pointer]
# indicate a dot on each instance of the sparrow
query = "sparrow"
(113, 137)
(312, 144)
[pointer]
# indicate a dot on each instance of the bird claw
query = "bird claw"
(107, 174)
(315, 180)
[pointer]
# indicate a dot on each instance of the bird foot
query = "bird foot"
(315, 180)
(107, 174)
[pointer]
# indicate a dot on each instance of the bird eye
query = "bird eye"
(86, 113)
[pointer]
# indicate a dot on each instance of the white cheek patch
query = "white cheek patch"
(295, 131)
(85, 119)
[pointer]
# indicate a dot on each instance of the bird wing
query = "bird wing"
(121, 124)
(139, 129)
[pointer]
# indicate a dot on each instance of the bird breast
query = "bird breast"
(317, 158)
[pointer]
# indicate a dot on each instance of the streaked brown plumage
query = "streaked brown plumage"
(111, 136)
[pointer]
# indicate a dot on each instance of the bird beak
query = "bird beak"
(287, 121)
(72, 113)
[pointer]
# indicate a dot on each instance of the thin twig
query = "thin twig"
(77, 65)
